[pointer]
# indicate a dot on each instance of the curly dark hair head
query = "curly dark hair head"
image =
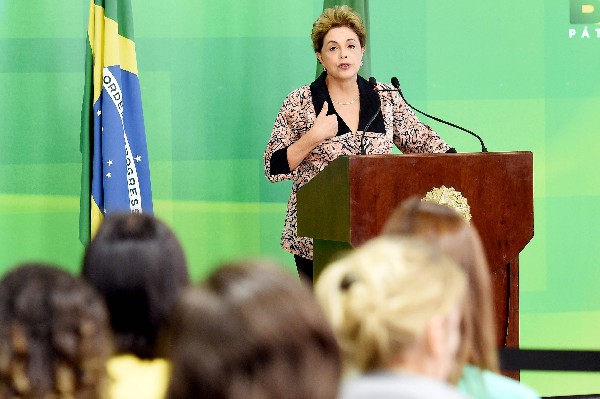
(138, 266)
(54, 335)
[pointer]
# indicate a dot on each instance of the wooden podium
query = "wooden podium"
(350, 200)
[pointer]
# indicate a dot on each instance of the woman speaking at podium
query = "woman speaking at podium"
(340, 113)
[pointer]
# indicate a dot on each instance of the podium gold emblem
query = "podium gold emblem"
(451, 198)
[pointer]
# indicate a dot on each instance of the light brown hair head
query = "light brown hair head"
(336, 17)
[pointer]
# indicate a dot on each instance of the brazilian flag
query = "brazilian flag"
(362, 8)
(115, 170)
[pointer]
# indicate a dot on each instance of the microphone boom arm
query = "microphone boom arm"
(396, 85)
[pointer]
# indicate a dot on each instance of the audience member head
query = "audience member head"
(54, 335)
(394, 303)
(252, 331)
(137, 264)
(442, 226)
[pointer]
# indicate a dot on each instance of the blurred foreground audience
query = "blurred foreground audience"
(445, 228)
(54, 335)
(138, 266)
(395, 306)
(412, 313)
(252, 331)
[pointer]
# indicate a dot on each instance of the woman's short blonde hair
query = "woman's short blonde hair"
(381, 297)
(334, 18)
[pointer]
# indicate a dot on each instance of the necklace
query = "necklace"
(348, 103)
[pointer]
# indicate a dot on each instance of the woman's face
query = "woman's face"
(341, 54)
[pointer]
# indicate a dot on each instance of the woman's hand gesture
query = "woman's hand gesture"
(326, 126)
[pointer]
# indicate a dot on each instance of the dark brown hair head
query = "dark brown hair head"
(252, 331)
(138, 266)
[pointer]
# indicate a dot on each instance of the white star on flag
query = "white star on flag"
(109, 162)
(138, 158)
(99, 112)
(109, 175)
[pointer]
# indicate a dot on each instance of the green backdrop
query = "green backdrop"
(213, 75)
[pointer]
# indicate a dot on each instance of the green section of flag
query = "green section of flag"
(120, 11)
(362, 8)
(86, 142)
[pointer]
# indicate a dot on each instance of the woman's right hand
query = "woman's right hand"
(326, 126)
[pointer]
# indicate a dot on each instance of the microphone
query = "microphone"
(396, 85)
(373, 83)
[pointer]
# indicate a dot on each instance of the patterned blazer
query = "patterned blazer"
(395, 124)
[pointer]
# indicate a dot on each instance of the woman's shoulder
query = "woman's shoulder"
(384, 86)
(484, 384)
(386, 91)
(302, 91)
(298, 98)
(396, 385)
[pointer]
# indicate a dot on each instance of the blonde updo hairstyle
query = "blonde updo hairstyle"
(381, 297)
(446, 229)
(336, 17)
